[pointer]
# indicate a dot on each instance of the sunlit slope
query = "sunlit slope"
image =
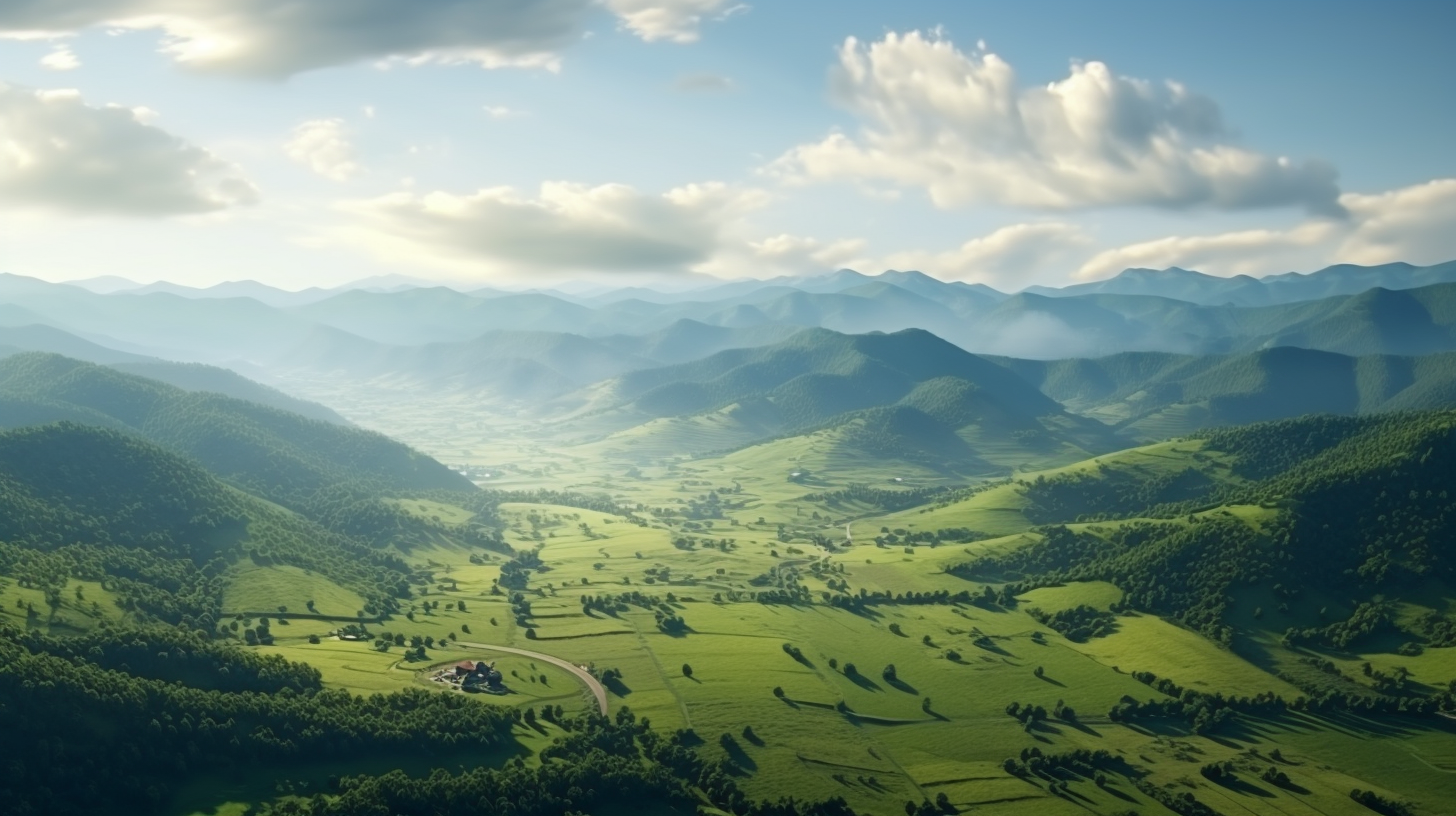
(273, 452)
(1156, 395)
(906, 398)
(75, 498)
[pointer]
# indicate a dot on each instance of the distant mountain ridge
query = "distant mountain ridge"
(1245, 290)
(1391, 309)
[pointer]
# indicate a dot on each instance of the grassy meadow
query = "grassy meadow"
(937, 724)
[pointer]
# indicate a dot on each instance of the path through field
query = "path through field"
(581, 674)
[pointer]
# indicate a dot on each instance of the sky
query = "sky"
(533, 142)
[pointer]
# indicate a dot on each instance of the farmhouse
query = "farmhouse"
(482, 677)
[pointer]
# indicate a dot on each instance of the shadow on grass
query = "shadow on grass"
(616, 686)
(1244, 787)
(863, 682)
(1083, 727)
(1045, 679)
(901, 685)
(737, 755)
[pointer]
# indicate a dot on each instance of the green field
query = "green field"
(708, 534)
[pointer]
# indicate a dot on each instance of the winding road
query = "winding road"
(596, 688)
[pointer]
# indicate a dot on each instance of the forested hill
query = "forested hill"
(1363, 512)
(1151, 395)
(159, 531)
(282, 456)
(199, 377)
(818, 374)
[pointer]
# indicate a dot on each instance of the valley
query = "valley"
(841, 572)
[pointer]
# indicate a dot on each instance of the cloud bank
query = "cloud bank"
(59, 154)
(278, 38)
(962, 127)
(1411, 224)
(564, 228)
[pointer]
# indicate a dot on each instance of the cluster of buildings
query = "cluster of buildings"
(468, 675)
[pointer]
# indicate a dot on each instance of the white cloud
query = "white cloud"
(1010, 258)
(1411, 224)
(797, 255)
(962, 127)
(323, 145)
(277, 38)
(57, 153)
(564, 228)
(502, 112)
(672, 20)
(61, 58)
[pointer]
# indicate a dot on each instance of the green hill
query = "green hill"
(284, 457)
(1148, 396)
(107, 506)
(907, 396)
(39, 337)
(1356, 509)
(199, 377)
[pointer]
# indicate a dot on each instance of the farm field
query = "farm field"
(710, 541)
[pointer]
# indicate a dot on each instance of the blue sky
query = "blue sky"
(536, 141)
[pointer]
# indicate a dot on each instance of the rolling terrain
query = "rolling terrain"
(814, 573)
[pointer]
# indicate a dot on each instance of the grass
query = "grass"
(887, 748)
(255, 588)
(76, 614)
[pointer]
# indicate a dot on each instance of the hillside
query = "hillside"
(199, 377)
(909, 397)
(154, 526)
(40, 337)
(509, 366)
(282, 456)
(1353, 509)
(1148, 396)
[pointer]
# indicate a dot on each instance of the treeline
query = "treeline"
(1108, 494)
(598, 763)
(106, 740)
(102, 505)
(885, 499)
(174, 655)
(1183, 570)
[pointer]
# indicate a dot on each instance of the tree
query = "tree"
(687, 670)
(778, 692)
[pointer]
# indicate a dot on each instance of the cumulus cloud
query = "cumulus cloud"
(962, 127)
(676, 21)
(61, 58)
(323, 145)
(1411, 224)
(564, 228)
(277, 38)
(798, 255)
(1009, 258)
(58, 153)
